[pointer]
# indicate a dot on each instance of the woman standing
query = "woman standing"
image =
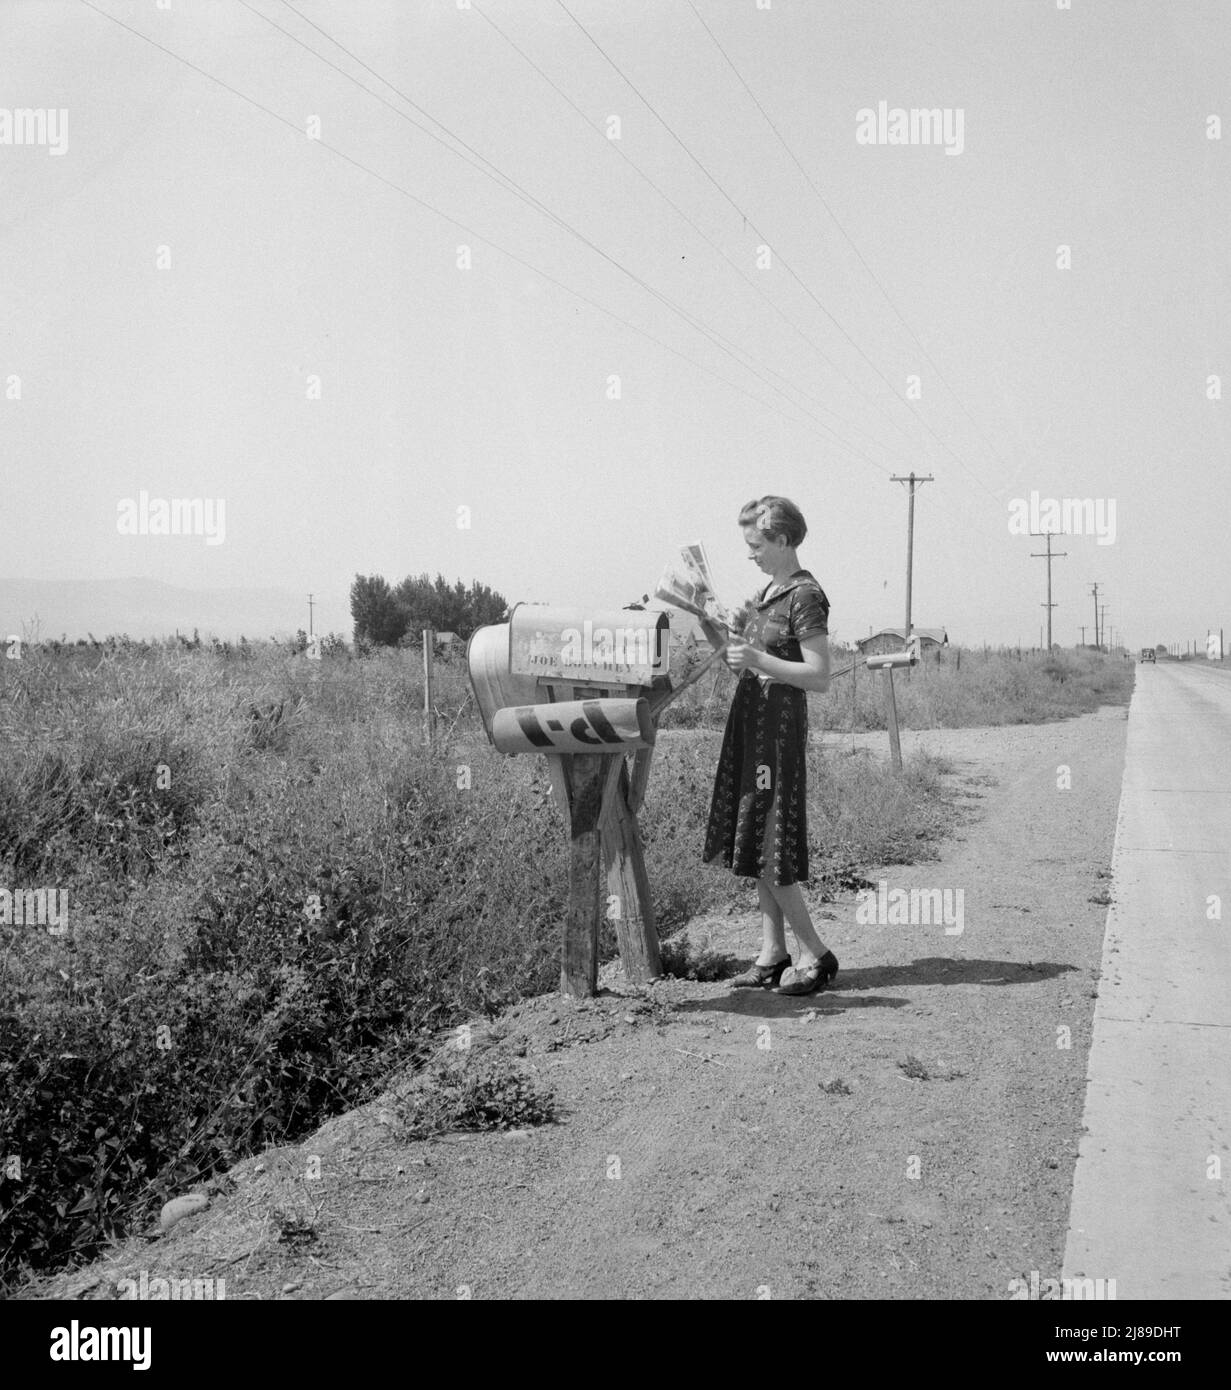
(757, 823)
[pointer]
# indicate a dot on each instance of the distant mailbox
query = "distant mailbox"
(597, 647)
(888, 660)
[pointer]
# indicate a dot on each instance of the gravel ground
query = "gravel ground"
(909, 1133)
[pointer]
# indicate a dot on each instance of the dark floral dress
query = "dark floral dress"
(758, 825)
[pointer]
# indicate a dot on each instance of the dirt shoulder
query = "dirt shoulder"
(909, 1133)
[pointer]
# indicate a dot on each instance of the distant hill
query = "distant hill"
(146, 608)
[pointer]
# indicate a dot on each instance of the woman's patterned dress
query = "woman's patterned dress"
(758, 826)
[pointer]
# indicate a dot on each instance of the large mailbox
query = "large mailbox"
(584, 687)
(570, 679)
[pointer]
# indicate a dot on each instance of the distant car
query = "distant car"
(1147, 654)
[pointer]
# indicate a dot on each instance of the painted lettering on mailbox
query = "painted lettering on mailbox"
(592, 726)
(614, 648)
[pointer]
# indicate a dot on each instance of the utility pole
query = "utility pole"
(310, 607)
(913, 479)
(1102, 633)
(1083, 637)
(1049, 557)
(1096, 641)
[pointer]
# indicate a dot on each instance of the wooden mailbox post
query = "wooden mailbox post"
(583, 687)
(887, 662)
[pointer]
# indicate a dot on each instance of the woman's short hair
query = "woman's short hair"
(775, 516)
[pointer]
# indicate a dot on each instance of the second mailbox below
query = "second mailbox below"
(575, 726)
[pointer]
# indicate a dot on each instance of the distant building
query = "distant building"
(893, 639)
(447, 640)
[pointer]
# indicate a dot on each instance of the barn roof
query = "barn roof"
(935, 634)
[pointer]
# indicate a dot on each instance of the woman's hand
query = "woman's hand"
(742, 656)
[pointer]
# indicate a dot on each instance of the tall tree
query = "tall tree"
(446, 607)
(376, 612)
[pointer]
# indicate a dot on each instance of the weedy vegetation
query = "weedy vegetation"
(279, 897)
(464, 1095)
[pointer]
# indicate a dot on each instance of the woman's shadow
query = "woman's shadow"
(854, 989)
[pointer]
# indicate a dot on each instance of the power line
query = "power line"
(914, 480)
(493, 171)
(848, 238)
(617, 149)
(740, 211)
(961, 535)
(453, 221)
(1049, 557)
(785, 263)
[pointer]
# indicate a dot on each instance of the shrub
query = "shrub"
(264, 940)
(475, 1096)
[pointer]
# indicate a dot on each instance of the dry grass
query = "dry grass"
(964, 689)
(278, 897)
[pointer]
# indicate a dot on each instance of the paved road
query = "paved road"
(1152, 1190)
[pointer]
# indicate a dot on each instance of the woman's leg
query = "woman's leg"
(791, 905)
(773, 935)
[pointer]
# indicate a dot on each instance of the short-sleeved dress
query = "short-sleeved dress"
(758, 825)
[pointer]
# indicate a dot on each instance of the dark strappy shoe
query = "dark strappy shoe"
(809, 978)
(761, 976)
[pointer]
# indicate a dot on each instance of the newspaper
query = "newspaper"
(689, 584)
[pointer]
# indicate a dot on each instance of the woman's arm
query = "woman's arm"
(809, 673)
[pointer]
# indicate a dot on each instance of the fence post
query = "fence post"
(429, 640)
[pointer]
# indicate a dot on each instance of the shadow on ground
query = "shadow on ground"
(928, 970)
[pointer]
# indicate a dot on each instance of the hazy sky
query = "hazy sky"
(489, 388)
